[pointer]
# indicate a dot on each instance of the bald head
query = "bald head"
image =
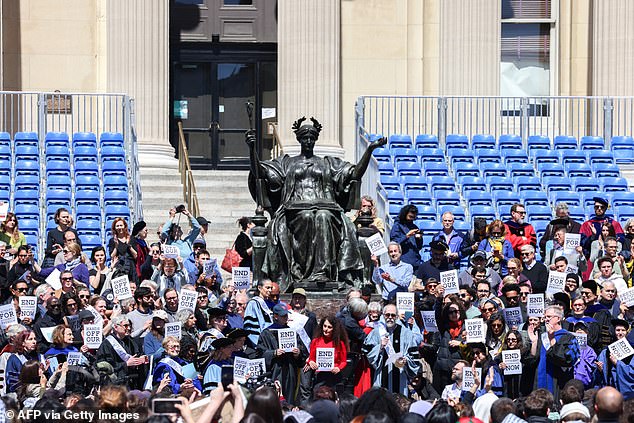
(608, 403)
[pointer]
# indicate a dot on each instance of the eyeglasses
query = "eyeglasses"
(463, 295)
(67, 279)
(478, 352)
(550, 317)
(524, 294)
(171, 299)
(496, 233)
(55, 306)
(21, 289)
(388, 315)
(483, 291)
(489, 309)
(522, 212)
(66, 251)
(513, 298)
(496, 325)
(84, 296)
(586, 293)
(599, 206)
(525, 254)
(174, 347)
(71, 305)
(453, 311)
(127, 325)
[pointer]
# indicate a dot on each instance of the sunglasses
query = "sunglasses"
(389, 315)
(496, 325)
(67, 279)
(84, 296)
(453, 311)
(71, 304)
(21, 289)
(489, 309)
(66, 251)
(525, 254)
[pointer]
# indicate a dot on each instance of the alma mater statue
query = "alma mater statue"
(310, 240)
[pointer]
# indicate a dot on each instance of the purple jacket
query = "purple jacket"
(80, 273)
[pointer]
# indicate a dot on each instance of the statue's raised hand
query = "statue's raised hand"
(378, 143)
(250, 138)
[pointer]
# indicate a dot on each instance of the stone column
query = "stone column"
(309, 64)
(138, 65)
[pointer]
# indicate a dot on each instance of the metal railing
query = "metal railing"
(43, 112)
(190, 197)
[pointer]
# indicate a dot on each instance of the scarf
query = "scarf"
(71, 265)
(455, 328)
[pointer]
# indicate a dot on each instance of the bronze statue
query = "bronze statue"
(311, 241)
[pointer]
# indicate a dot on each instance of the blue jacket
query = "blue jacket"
(411, 246)
(192, 271)
(176, 380)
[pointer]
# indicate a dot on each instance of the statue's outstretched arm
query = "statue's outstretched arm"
(253, 154)
(362, 166)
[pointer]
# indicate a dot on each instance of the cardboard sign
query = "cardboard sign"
(582, 339)
(449, 280)
(376, 245)
(96, 315)
(429, 321)
(241, 277)
(187, 300)
(287, 339)
(75, 358)
(621, 349)
(535, 305)
(325, 359)
(121, 287)
(627, 297)
(556, 282)
(4, 209)
(513, 316)
(47, 333)
(173, 329)
(171, 251)
(8, 316)
(476, 331)
(513, 361)
(468, 377)
(405, 302)
(53, 279)
(93, 336)
(244, 368)
(28, 306)
(209, 267)
(571, 242)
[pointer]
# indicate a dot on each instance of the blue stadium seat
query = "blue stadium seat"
(5, 182)
(111, 139)
(426, 141)
(89, 197)
(456, 141)
(390, 182)
(493, 169)
(399, 141)
(27, 152)
(429, 227)
(471, 183)
(578, 169)
(506, 198)
(89, 242)
(414, 183)
(26, 196)
(550, 169)
(592, 143)
(25, 138)
(117, 211)
(84, 139)
(540, 227)
(479, 198)
(466, 169)
(577, 213)
(537, 142)
(27, 211)
(510, 142)
(442, 183)
(514, 156)
(394, 210)
(458, 212)
(5, 139)
(600, 156)
(84, 153)
(601, 170)
(394, 196)
(457, 155)
(112, 153)
(427, 213)
(404, 155)
(462, 225)
(446, 198)
(534, 198)
(56, 139)
(382, 155)
(114, 168)
(385, 168)
(420, 198)
(488, 156)
(565, 142)
(614, 184)
(87, 182)
(5, 151)
(624, 198)
(545, 156)
(32, 241)
(27, 182)
(50, 212)
(58, 182)
(435, 169)
(30, 226)
(500, 183)
(557, 183)
(623, 148)
(571, 198)
(88, 226)
(483, 141)
(504, 212)
(58, 197)
(92, 168)
(585, 183)
(408, 168)
(88, 212)
(482, 211)
(520, 169)
(572, 156)
(431, 155)
(4, 195)
(527, 183)
(27, 167)
(56, 167)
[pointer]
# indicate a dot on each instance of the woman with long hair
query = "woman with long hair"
(448, 342)
(24, 349)
(243, 243)
(55, 237)
(171, 365)
(139, 235)
(497, 246)
(265, 402)
(100, 270)
(496, 332)
(72, 262)
(70, 304)
(407, 234)
(124, 247)
(10, 233)
(520, 385)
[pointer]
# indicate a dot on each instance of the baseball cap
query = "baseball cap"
(280, 310)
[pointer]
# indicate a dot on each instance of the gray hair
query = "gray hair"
(149, 284)
(125, 304)
(629, 223)
(390, 305)
(183, 315)
(3, 244)
(562, 205)
(557, 309)
(358, 307)
(40, 290)
(261, 282)
(400, 249)
(117, 320)
(528, 247)
(352, 291)
(374, 306)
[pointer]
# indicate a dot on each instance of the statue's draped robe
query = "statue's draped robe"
(310, 238)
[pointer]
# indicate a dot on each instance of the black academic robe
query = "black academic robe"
(285, 368)
(135, 376)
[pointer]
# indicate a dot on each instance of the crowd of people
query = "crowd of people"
(124, 330)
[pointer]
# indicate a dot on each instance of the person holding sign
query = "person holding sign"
(490, 369)
(436, 264)
(283, 365)
(408, 236)
(169, 274)
(448, 342)
(394, 276)
(574, 257)
(393, 352)
(584, 368)
(330, 337)
(51, 318)
(518, 384)
(173, 232)
(171, 366)
(613, 372)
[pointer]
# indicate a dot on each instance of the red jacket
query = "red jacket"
(520, 235)
(340, 353)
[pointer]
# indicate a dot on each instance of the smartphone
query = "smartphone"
(165, 406)
(226, 376)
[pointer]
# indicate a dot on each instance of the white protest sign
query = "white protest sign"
(121, 287)
(405, 302)
(449, 280)
(556, 282)
(535, 305)
(571, 242)
(93, 336)
(75, 358)
(513, 361)
(53, 279)
(582, 339)
(28, 306)
(96, 315)
(209, 266)
(187, 300)
(4, 209)
(171, 251)
(621, 349)
(256, 367)
(241, 277)
(572, 269)
(287, 339)
(47, 333)
(513, 316)
(468, 377)
(475, 330)
(627, 297)
(429, 321)
(325, 359)
(243, 368)
(8, 316)
(173, 329)
(376, 245)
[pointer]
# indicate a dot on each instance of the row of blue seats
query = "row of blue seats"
(61, 139)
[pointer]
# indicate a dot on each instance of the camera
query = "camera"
(255, 382)
(180, 208)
